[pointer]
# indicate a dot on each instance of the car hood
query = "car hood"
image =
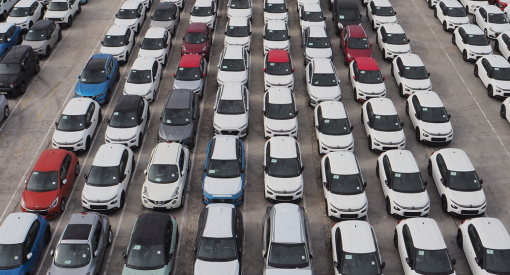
(137, 89)
(230, 121)
(325, 91)
(55, 14)
(276, 44)
(191, 85)
(480, 49)
(39, 200)
(220, 187)
(371, 88)
(438, 128)
(69, 137)
(237, 40)
(319, 53)
(283, 124)
(275, 16)
(200, 19)
(239, 12)
(100, 193)
(209, 268)
(348, 201)
(159, 192)
(227, 76)
(55, 270)
(418, 83)
(85, 89)
(151, 53)
(125, 22)
(417, 200)
(162, 24)
(468, 198)
(112, 50)
(458, 20)
(500, 27)
(360, 52)
(502, 84)
(306, 24)
(194, 48)
(120, 133)
(283, 184)
(17, 20)
(398, 48)
(282, 80)
(337, 141)
(394, 137)
(175, 133)
(6, 79)
(385, 19)
(281, 271)
(35, 44)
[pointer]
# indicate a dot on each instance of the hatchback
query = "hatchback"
(63, 11)
(471, 41)
(275, 10)
(380, 12)
(280, 113)
(367, 81)
(345, 13)
(491, 20)
(10, 35)
(234, 65)
(17, 67)
(333, 129)
(502, 44)
(473, 5)
(231, 110)
(382, 125)
(179, 119)
(25, 13)
(238, 32)
(128, 121)
(410, 74)
(311, 15)
(316, 44)
(167, 15)
(322, 82)
(144, 78)
(131, 15)
(119, 41)
(278, 70)
(451, 14)
(156, 43)
(276, 36)
(98, 78)
(494, 72)
(204, 11)
(197, 40)
(240, 8)
(43, 37)
(392, 41)
(354, 43)
(191, 74)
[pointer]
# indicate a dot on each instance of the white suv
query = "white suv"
(144, 78)
(278, 70)
(382, 125)
(132, 15)
(62, 11)
(332, 128)
(234, 65)
(275, 10)
(240, 8)
(238, 32)
(316, 44)
(392, 40)
(451, 14)
(25, 13)
(457, 183)
(107, 181)
(204, 11)
(502, 44)
(410, 74)
(156, 43)
(322, 82)
(343, 186)
(311, 15)
(6, 7)
(128, 121)
(494, 72)
(276, 36)
(119, 41)
(491, 20)
(471, 42)
(166, 176)
(231, 110)
(367, 81)
(472, 5)
(280, 113)
(380, 12)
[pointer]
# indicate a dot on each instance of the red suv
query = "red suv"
(197, 40)
(50, 183)
(191, 74)
(354, 43)
(500, 3)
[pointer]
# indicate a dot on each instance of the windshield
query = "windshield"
(72, 255)
(201, 11)
(283, 255)
(43, 181)
(20, 12)
(163, 15)
(57, 6)
(123, 120)
(276, 35)
(433, 261)
(71, 123)
(232, 65)
(146, 257)
(217, 249)
(93, 76)
(162, 173)
(103, 176)
(275, 8)
(10, 256)
(502, 74)
(349, 15)
(326, 80)
(477, 40)
(230, 107)
(463, 181)
(139, 77)
(114, 41)
(237, 31)
(387, 123)
(384, 11)
(456, 12)
(354, 264)
(346, 185)
(313, 16)
(240, 4)
(36, 35)
(284, 168)
(195, 38)
(177, 117)
(416, 73)
(127, 14)
(358, 43)
(224, 168)
(370, 77)
(9, 68)
(318, 42)
(335, 127)
(408, 182)
(153, 44)
(497, 261)
(281, 111)
(434, 115)
(498, 18)
(279, 68)
(188, 74)
(396, 38)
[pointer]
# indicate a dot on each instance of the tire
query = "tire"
(453, 39)
(496, 46)
(429, 2)
(370, 144)
(490, 91)
(445, 28)
(5, 15)
(474, 19)
(429, 168)
(391, 72)
(388, 206)
(475, 72)
(62, 205)
(444, 204)
(377, 169)
(356, 99)
(395, 239)
(70, 21)
(110, 236)
(502, 112)
(77, 169)
(361, 116)
(407, 108)
(139, 140)
(418, 134)
(48, 51)
(127, 58)
(464, 56)
(319, 148)
(37, 67)
(376, 39)
(459, 239)
(166, 61)
(137, 29)
(122, 199)
(87, 144)
(108, 97)
(401, 91)
(117, 78)
(47, 234)
(23, 88)
(79, 9)
(59, 35)
(435, 13)
(7, 112)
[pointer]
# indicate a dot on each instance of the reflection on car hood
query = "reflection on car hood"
(175, 133)
(219, 187)
(283, 125)
(239, 12)
(475, 198)
(85, 89)
(201, 19)
(319, 53)
(117, 134)
(306, 24)
(230, 121)
(285, 185)
(385, 19)
(100, 193)
(194, 48)
(276, 80)
(360, 52)
(55, 270)
(137, 89)
(458, 20)
(35, 44)
(275, 16)
(69, 137)
(394, 137)
(158, 191)
(112, 50)
(325, 92)
(191, 85)
(226, 76)
(438, 128)
(480, 49)
(337, 141)
(162, 24)
(16, 20)
(125, 22)
(347, 201)
(500, 27)
(151, 53)
(277, 44)
(237, 40)
(417, 200)
(502, 84)
(39, 200)
(418, 83)
(212, 268)
(55, 14)
(368, 88)
(398, 48)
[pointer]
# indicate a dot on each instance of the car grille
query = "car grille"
(386, 148)
(469, 212)
(40, 212)
(159, 208)
(235, 133)
(438, 139)
(53, 19)
(222, 201)
(506, 94)
(281, 135)
(98, 207)
(160, 202)
(412, 214)
(348, 216)
(284, 198)
(66, 148)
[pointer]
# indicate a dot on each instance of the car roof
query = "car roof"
(166, 153)
(232, 91)
(356, 31)
(356, 236)
(402, 161)
(143, 63)
(165, 5)
(452, 3)
(343, 163)
(196, 27)
(225, 147)
(425, 233)
(276, 24)
(428, 99)
(333, 109)
(472, 29)
(179, 99)
(97, 62)
(77, 106)
(127, 103)
(492, 233)
(237, 21)
(348, 4)
(109, 155)
(155, 32)
(393, 28)
(283, 147)
(150, 229)
(218, 223)
(25, 3)
(287, 223)
(203, 3)
(312, 7)
(317, 31)
(233, 52)
(411, 59)
(381, 3)
(50, 160)
(83, 218)
(491, 9)
(367, 64)
(15, 53)
(15, 227)
(79, 226)
(497, 61)
(275, 1)
(322, 66)
(456, 160)
(130, 5)
(382, 106)
(278, 56)
(41, 25)
(279, 96)
(190, 61)
(117, 30)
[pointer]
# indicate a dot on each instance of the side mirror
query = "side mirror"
(140, 45)
(102, 42)
(324, 18)
(225, 32)
(29, 255)
(395, 13)
(108, 120)
(325, 184)
(124, 255)
(152, 16)
(408, 261)
(109, 77)
(442, 181)
(123, 177)
(402, 124)
(79, 76)
(56, 124)
(183, 38)
(428, 74)
(190, 12)
(205, 169)
(116, 15)
(425, 183)
(352, 127)
(408, 40)
(335, 263)
(386, 182)
(478, 262)
(86, 176)
(481, 181)
(173, 74)
(293, 69)
(383, 78)
(263, 37)
(286, 9)
(297, 112)
(449, 115)
(170, 256)
(361, 16)
(400, 73)
(195, 249)
(139, 15)
(370, 45)
(317, 127)
(354, 77)
(289, 36)
(454, 261)
(383, 265)
(302, 168)
(416, 116)
(125, 78)
(64, 181)
(264, 69)
(365, 184)
(203, 75)
(52, 252)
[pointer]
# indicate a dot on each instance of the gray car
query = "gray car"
(167, 15)
(4, 108)
(82, 246)
(179, 119)
(43, 37)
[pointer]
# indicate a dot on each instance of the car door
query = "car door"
(125, 172)
(485, 72)
(156, 75)
(386, 176)
(439, 173)
(406, 249)
(370, 11)
(415, 114)
(32, 246)
(129, 40)
(474, 250)
(368, 119)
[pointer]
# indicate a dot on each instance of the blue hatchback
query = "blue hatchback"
(22, 240)
(97, 79)
(10, 35)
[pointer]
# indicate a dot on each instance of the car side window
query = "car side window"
(387, 169)
(408, 241)
(400, 64)
(487, 66)
(181, 161)
(370, 113)
(338, 244)
(128, 36)
(475, 242)
(319, 116)
(441, 165)
(372, 6)
(96, 237)
(483, 13)
(109, 69)
(31, 237)
(245, 98)
(239, 229)
(123, 162)
(154, 70)
(141, 106)
(310, 72)
(462, 33)
(383, 33)
(64, 169)
(90, 113)
(506, 39)
(416, 105)
(266, 102)
(140, 8)
(442, 6)
(346, 36)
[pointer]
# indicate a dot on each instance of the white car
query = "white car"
(62, 11)
(283, 170)
(107, 181)
(494, 72)
(451, 14)
(382, 125)
(472, 5)
(457, 183)
(144, 78)
(119, 41)
(421, 247)
(343, 186)
(367, 81)
(392, 41)
(179, 3)
(6, 7)
(316, 44)
(280, 113)
(240, 8)
(238, 32)
(132, 15)
(156, 44)
(25, 13)
(166, 176)
(231, 110)
(204, 11)
(332, 128)
(491, 20)
(301, 3)
(128, 121)
(431, 122)
(486, 244)
(77, 124)
(380, 12)
(275, 10)
(502, 44)
(146, 3)
(505, 106)
(471, 42)
(322, 82)
(311, 15)
(278, 70)
(234, 65)
(276, 36)
(410, 74)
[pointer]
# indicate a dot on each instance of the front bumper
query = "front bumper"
(188, 142)
(406, 212)
(314, 101)
(427, 137)
(383, 147)
(236, 199)
(161, 205)
(78, 146)
(363, 96)
(132, 142)
(464, 210)
(410, 91)
(23, 26)
(100, 98)
(279, 196)
(290, 86)
(202, 53)
(10, 91)
(391, 55)
(326, 149)
(101, 205)
(121, 57)
(268, 133)
(46, 213)
(336, 213)
(58, 20)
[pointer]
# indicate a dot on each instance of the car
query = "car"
(132, 15)
(502, 4)
(382, 125)
(234, 65)
(147, 3)
(167, 15)
(410, 74)
(238, 32)
(278, 70)
(433, 3)
(108, 178)
(119, 41)
(152, 246)
(276, 36)
(6, 7)
(471, 42)
(25, 13)
(231, 110)
(178, 3)
(322, 82)
(504, 106)
(224, 170)
(165, 177)
(240, 8)
(451, 14)
(473, 5)
(316, 44)
(367, 81)
(343, 186)
(283, 169)
(275, 10)
(486, 243)
(44, 2)
(83, 244)
(301, 3)
(430, 120)
(422, 248)
(191, 74)
(354, 43)
(493, 71)
(280, 113)
(311, 15)
(156, 43)
(63, 11)
(502, 44)
(17, 67)
(43, 37)
(50, 183)
(204, 11)
(128, 121)
(179, 119)
(4, 108)
(392, 41)
(286, 240)
(77, 125)
(491, 20)
(97, 80)
(10, 35)
(344, 13)
(144, 78)
(333, 129)
(381, 12)
(219, 240)
(197, 40)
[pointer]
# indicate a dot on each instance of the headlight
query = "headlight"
(54, 203)
(349, 56)
(23, 203)
(340, 26)
(145, 192)
(12, 86)
(183, 47)
(205, 47)
(176, 192)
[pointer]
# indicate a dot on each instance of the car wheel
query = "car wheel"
(370, 144)
(77, 169)
(122, 199)
(429, 168)
(139, 140)
(444, 204)
(430, 4)
(107, 98)
(59, 35)
(445, 28)
(165, 61)
(464, 56)
(23, 88)
(435, 13)
(79, 9)
(48, 51)
(490, 91)
(395, 239)
(496, 45)
(453, 39)
(118, 75)
(47, 234)
(87, 144)
(62, 205)
(319, 148)
(391, 72)
(418, 134)
(474, 18)
(137, 28)
(127, 58)
(356, 99)
(476, 71)
(459, 238)
(388, 206)
(377, 169)
(70, 21)
(502, 112)
(7, 112)
(407, 108)
(401, 91)
(110, 236)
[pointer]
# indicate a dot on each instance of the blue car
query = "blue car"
(224, 171)
(97, 79)
(10, 35)
(22, 240)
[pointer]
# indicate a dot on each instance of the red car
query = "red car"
(354, 43)
(500, 3)
(197, 40)
(50, 183)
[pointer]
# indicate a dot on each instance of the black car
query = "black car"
(345, 12)
(17, 66)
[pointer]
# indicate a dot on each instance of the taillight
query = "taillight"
(400, 221)
(463, 221)
(84, 213)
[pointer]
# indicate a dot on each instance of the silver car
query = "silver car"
(167, 15)
(82, 246)
(4, 108)
(43, 36)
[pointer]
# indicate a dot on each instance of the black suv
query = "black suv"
(17, 66)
